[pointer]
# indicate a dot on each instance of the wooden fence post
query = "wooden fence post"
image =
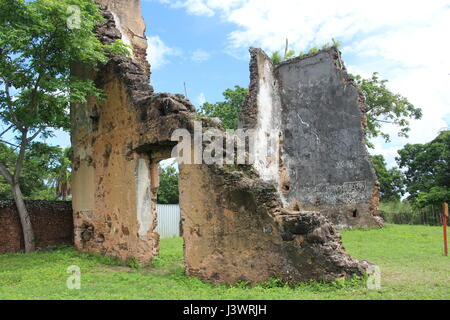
(444, 220)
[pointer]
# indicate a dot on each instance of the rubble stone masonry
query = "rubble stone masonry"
(240, 222)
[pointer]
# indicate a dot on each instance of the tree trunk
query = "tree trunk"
(27, 228)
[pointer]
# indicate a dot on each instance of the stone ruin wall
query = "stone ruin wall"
(235, 229)
(313, 115)
(237, 221)
(115, 177)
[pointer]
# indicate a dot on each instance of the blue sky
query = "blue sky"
(196, 54)
(204, 43)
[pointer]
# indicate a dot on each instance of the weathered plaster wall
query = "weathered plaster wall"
(315, 111)
(116, 222)
(52, 224)
(236, 230)
(324, 143)
(268, 123)
(115, 173)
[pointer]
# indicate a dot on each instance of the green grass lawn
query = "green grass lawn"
(410, 257)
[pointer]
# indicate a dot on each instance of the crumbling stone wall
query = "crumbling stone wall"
(52, 224)
(236, 229)
(115, 173)
(236, 222)
(314, 115)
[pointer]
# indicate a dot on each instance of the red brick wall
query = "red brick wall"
(52, 223)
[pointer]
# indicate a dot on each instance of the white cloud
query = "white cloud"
(204, 7)
(201, 99)
(405, 41)
(172, 162)
(389, 153)
(306, 23)
(200, 55)
(158, 52)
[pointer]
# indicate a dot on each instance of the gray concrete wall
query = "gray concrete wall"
(322, 161)
(324, 148)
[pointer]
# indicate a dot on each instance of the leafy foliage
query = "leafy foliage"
(436, 195)
(228, 111)
(392, 181)
(276, 58)
(289, 53)
(384, 106)
(38, 48)
(168, 186)
(41, 165)
(427, 170)
(37, 51)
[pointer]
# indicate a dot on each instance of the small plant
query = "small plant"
(242, 284)
(132, 263)
(336, 44)
(273, 283)
(289, 54)
(276, 58)
(313, 50)
(339, 283)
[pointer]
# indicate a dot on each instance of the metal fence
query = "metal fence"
(428, 216)
(168, 220)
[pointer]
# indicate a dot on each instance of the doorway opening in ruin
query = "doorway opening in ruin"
(169, 220)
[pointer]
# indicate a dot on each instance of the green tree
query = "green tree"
(392, 181)
(38, 47)
(61, 179)
(427, 170)
(385, 106)
(168, 186)
(228, 111)
(39, 167)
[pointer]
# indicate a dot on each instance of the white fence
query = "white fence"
(168, 220)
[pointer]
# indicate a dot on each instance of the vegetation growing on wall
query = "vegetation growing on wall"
(383, 105)
(290, 54)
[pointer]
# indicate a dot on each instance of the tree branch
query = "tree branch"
(35, 90)
(6, 174)
(21, 158)
(384, 121)
(34, 136)
(9, 143)
(10, 127)
(9, 103)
